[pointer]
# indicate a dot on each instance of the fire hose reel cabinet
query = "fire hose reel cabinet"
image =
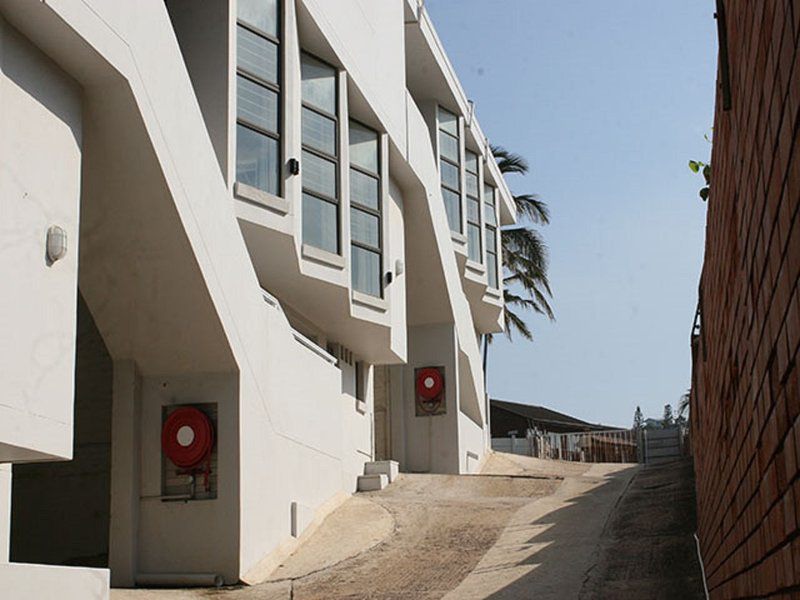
(430, 391)
(187, 443)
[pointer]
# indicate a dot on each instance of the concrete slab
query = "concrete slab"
(35, 582)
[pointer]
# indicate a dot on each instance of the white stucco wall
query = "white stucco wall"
(198, 536)
(40, 154)
(302, 441)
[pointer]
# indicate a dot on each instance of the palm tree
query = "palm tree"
(525, 260)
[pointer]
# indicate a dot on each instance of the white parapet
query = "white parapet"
(20, 581)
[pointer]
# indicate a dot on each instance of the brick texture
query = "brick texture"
(745, 394)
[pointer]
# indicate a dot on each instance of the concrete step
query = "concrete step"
(372, 483)
(390, 468)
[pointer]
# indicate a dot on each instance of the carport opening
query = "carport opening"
(60, 511)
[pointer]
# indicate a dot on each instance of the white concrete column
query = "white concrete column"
(125, 474)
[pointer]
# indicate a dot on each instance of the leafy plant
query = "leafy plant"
(698, 166)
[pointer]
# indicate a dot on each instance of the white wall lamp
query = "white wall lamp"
(56, 243)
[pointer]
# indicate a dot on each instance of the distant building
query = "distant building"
(512, 417)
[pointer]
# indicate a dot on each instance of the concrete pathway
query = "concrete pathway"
(526, 528)
(648, 549)
(550, 545)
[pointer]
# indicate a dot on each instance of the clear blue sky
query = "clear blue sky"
(607, 100)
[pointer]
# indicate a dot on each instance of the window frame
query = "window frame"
(459, 192)
(378, 213)
(336, 160)
(478, 199)
(276, 87)
(492, 254)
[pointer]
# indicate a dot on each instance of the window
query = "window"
(450, 167)
(490, 219)
(320, 139)
(258, 155)
(473, 208)
(365, 209)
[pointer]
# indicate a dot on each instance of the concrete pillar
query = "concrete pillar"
(432, 442)
(125, 474)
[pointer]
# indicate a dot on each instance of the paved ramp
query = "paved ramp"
(526, 528)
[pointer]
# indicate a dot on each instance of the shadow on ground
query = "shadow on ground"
(642, 548)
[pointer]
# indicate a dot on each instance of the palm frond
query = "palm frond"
(513, 321)
(529, 205)
(509, 162)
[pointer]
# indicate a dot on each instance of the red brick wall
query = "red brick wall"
(746, 400)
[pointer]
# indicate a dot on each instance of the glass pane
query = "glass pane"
(448, 122)
(364, 228)
(257, 160)
(319, 132)
(452, 205)
(261, 14)
(488, 193)
(256, 104)
(489, 215)
(448, 146)
(320, 224)
(319, 84)
(364, 190)
(491, 240)
(366, 271)
(474, 242)
(256, 55)
(491, 271)
(472, 185)
(472, 164)
(450, 175)
(363, 147)
(319, 175)
(473, 211)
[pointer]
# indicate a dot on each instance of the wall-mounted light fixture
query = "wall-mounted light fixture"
(399, 267)
(294, 166)
(56, 243)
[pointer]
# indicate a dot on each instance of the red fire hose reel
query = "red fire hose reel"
(187, 439)
(429, 383)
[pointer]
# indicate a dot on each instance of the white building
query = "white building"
(255, 227)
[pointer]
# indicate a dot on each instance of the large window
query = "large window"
(490, 218)
(320, 163)
(450, 167)
(473, 208)
(365, 209)
(258, 156)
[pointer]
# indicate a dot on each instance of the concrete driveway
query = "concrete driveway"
(524, 528)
